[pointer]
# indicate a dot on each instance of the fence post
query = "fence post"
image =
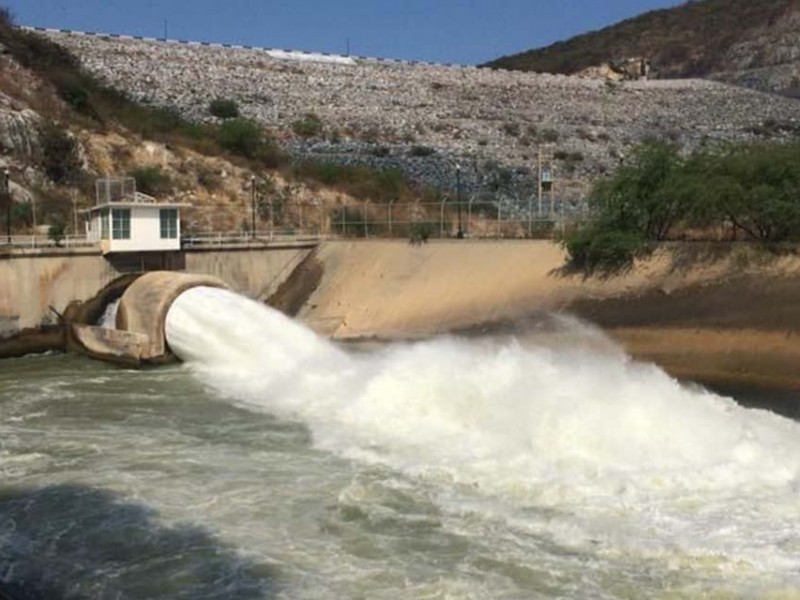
(271, 219)
(391, 231)
(300, 214)
(530, 216)
(441, 218)
(499, 217)
(469, 214)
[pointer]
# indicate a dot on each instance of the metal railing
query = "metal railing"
(261, 236)
(43, 241)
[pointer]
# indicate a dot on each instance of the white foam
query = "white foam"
(109, 318)
(618, 444)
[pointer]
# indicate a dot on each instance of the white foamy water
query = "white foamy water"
(548, 451)
(109, 318)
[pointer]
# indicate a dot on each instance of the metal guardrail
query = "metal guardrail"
(234, 238)
(43, 241)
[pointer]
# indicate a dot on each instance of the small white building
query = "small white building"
(124, 220)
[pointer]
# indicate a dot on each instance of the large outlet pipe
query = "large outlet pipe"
(139, 338)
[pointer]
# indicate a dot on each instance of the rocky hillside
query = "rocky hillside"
(754, 43)
(60, 129)
(426, 118)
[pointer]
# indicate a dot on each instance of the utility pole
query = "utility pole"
(74, 213)
(539, 183)
(460, 234)
(253, 204)
(7, 197)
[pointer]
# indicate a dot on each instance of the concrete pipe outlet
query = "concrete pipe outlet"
(139, 338)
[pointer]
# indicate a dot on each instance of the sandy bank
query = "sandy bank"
(710, 313)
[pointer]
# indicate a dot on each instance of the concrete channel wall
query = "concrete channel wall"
(37, 286)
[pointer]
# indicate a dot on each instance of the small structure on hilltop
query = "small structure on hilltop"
(626, 69)
(125, 220)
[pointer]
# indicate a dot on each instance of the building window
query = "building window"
(104, 229)
(121, 223)
(169, 223)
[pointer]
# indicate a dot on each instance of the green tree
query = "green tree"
(755, 188)
(642, 196)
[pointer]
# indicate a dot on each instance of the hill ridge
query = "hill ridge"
(122, 36)
(753, 44)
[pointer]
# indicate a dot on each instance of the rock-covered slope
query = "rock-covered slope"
(755, 43)
(425, 117)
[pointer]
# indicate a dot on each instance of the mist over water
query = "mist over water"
(559, 442)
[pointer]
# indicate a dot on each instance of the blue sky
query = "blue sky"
(460, 31)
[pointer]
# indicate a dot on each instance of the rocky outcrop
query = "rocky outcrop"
(767, 59)
(19, 132)
(629, 69)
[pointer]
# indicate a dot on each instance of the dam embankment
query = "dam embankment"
(713, 313)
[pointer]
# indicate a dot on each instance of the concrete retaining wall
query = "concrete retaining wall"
(34, 286)
(31, 283)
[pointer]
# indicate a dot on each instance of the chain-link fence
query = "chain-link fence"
(538, 218)
(266, 219)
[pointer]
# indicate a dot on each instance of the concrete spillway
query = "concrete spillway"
(139, 337)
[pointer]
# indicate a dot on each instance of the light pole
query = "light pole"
(7, 194)
(460, 234)
(253, 206)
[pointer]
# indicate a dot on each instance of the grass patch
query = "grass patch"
(360, 181)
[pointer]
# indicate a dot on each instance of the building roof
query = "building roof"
(135, 204)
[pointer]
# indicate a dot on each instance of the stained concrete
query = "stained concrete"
(38, 285)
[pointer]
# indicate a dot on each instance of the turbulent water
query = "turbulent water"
(274, 464)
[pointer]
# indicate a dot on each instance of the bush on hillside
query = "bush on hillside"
(60, 157)
(241, 136)
(223, 108)
(600, 250)
(360, 181)
(309, 126)
(421, 151)
(152, 180)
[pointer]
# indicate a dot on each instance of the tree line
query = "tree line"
(752, 191)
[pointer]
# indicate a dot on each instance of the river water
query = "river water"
(274, 464)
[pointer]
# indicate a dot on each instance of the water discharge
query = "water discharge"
(573, 445)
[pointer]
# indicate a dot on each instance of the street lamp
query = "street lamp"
(7, 194)
(253, 204)
(460, 234)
